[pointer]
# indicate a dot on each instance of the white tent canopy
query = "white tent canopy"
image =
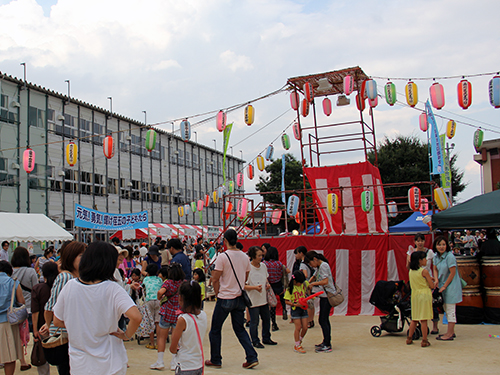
(30, 227)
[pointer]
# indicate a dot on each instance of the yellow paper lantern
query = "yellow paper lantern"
(411, 94)
(260, 163)
(71, 153)
(451, 129)
(441, 199)
(332, 204)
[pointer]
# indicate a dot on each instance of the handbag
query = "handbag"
(16, 315)
(244, 294)
(336, 298)
(284, 278)
(37, 354)
(57, 339)
(271, 297)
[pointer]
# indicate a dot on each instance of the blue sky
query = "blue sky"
(176, 59)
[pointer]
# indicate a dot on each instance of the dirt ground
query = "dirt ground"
(355, 351)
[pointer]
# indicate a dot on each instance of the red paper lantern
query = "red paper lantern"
(464, 90)
(294, 100)
(308, 92)
(29, 160)
(360, 102)
(305, 107)
(373, 102)
(437, 95)
(250, 171)
(414, 198)
(109, 147)
(327, 106)
(221, 121)
(207, 200)
(363, 90)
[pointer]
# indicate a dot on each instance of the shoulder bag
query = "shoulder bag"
(271, 298)
(16, 315)
(244, 294)
(336, 298)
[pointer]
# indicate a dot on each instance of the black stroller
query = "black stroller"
(393, 298)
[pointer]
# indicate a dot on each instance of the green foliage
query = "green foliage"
(272, 181)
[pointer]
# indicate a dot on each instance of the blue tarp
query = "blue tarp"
(411, 225)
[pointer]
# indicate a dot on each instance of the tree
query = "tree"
(272, 181)
(405, 159)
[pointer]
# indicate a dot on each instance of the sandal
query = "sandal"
(149, 346)
(311, 324)
(409, 340)
(25, 367)
(435, 332)
(425, 343)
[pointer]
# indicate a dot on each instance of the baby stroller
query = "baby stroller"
(392, 298)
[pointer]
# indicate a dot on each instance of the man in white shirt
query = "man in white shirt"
(227, 281)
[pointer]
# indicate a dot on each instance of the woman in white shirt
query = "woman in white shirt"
(90, 307)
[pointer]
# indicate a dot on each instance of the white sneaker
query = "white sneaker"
(157, 366)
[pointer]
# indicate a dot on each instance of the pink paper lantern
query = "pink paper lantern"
(29, 160)
(373, 102)
(239, 179)
(348, 85)
(221, 121)
(422, 120)
(437, 95)
(199, 205)
(327, 106)
(297, 132)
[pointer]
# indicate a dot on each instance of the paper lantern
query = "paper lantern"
(187, 209)
(371, 89)
(242, 208)
(360, 102)
(207, 200)
(228, 207)
(494, 91)
(414, 198)
(451, 128)
(367, 200)
(221, 121)
(293, 205)
(294, 100)
(193, 207)
(373, 102)
(390, 93)
(276, 216)
(332, 203)
(221, 191)
(249, 115)
(199, 205)
(108, 147)
(392, 209)
(411, 91)
(150, 140)
(180, 211)
(230, 186)
(327, 106)
(304, 107)
(28, 160)
(298, 218)
(464, 90)
(422, 119)
(348, 85)
(285, 141)
(297, 132)
(71, 153)
(441, 199)
(250, 172)
(437, 95)
(269, 152)
(215, 197)
(308, 92)
(267, 214)
(260, 163)
(427, 219)
(478, 139)
(362, 92)
(185, 130)
(239, 179)
(424, 206)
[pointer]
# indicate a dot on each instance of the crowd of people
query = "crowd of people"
(84, 300)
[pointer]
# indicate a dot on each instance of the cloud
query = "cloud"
(235, 62)
(165, 64)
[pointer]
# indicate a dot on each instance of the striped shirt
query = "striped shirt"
(59, 283)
